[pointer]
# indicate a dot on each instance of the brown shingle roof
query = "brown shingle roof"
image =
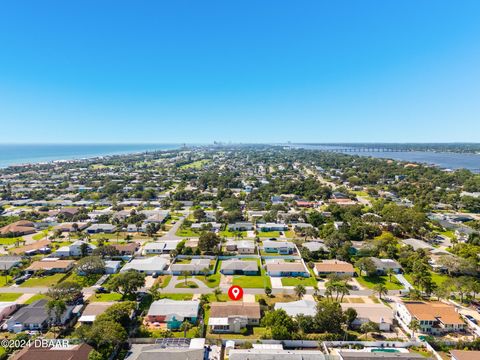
(334, 266)
(433, 311)
(465, 355)
(226, 309)
(77, 352)
(48, 265)
(20, 227)
(35, 246)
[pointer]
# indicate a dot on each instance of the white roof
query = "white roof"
(218, 321)
(87, 318)
(174, 308)
(153, 263)
(294, 308)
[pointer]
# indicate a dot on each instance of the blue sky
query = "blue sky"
(241, 71)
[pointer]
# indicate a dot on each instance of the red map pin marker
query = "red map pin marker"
(235, 293)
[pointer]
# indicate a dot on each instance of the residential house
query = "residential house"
(40, 246)
(239, 267)
(434, 317)
(232, 317)
(78, 248)
(271, 227)
(465, 354)
(214, 226)
(18, 228)
(241, 226)
(314, 246)
(71, 226)
(280, 267)
(169, 349)
(380, 314)
(272, 352)
(279, 247)
(101, 228)
(337, 267)
(241, 246)
(8, 262)
(7, 308)
(51, 265)
(383, 265)
(172, 312)
(194, 267)
(34, 317)
(92, 310)
(127, 249)
(112, 267)
(71, 352)
(381, 355)
(160, 247)
(294, 308)
(148, 265)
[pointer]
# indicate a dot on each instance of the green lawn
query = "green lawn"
(40, 235)
(44, 281)
(35, 298)
(249, 282)
(211, 281)
(176, 296)
(196, 164)
(84, 281)
(232, 234)
(189, 284)
(164, 280)
(9, 296)
(4, 280)
(294, 281)
(371, 281)
(253, 333)
(187, 233)
(438, 279)
(269, 234)
(10, 241)
(106, 297)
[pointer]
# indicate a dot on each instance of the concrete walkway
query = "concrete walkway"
(404, 281)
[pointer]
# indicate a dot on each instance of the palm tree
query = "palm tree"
(217, 292)
(369, 327)
(414, 326)
(381, 289)
(300, 291)
(185, 327)
(185, 275)
(390, 272)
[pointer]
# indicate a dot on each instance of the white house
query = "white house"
(147, 265)
(75, 249)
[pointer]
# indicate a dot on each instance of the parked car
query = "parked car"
(471, 318)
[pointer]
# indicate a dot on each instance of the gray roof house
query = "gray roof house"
(383, 265)
(7, 262)
(100, 228)
(239, 267)
(195, 266)
(242, 246)
(294, 308)
(34, 317)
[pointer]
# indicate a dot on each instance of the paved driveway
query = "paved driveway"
(276, 282)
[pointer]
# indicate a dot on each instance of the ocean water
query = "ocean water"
(15, 154)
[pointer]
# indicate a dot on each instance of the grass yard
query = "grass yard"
(294, 281)
(5, 280)
(9, 296)
(232, 234)
(10, 241)
(84, 281)
(176, 296)
(250, 282)
(187, 233)
(40, 235)
(353, 300)
(196, 164)
(163, 281)
(370, 282)
(35, 298)
(44, 281)
(253, 333)
(269, 234)
(105, 297)
(438, 279)
(291, 234)
(211, 281)
(273, 299)
(189, 285)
